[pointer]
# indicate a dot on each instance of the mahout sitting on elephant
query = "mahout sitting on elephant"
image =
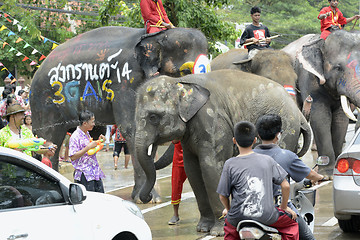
(328, 72)
(99, 71)
(201, 111)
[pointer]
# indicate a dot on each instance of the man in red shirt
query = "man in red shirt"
(154, 15)
(332, 19)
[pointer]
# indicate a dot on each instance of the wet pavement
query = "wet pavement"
(119, 182)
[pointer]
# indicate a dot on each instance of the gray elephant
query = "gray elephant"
(201, 111)
(328, 70)
(100, 71)
(273, 64)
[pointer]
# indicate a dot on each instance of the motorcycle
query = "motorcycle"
(302, 197)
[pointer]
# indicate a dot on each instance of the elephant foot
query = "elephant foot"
(218, 229)
(205, 224)
(327, 171)
(155, 199)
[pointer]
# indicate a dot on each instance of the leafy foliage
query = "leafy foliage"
(215, 18)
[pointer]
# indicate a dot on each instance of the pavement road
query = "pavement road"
(119, 182)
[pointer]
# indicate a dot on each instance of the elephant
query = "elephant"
(273, 64)
(201, 110)
(328, 71)
(99, 71)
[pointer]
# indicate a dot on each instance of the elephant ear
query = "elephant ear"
(148, 55)
(192, 98)
(244, 64)
(311, 58)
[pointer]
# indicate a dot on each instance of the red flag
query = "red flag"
(25, 58)
(42, 57)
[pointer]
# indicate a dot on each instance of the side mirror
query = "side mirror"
(77, 193)
(322, 160)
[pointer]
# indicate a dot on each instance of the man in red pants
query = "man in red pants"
(178, 178)
(154, 15)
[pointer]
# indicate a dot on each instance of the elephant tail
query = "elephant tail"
(305, 130)
(166, 159)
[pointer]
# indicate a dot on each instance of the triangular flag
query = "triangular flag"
(26, 45)
(42, 57)
(4, 69)
(25, 58)
(1, 64)
(54, 46)
(33, 63)
(45, 39)
(11, 33)
(12, 81)
(15, 22)
(19, 40)
(34, 51)
(3, 28)
(42, 37)
(12, 49)
(4, 44)
(6, 15)
(19, 27)
(10, 75)
(8, 20)
(19, 54)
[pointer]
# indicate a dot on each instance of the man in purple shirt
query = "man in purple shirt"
(87, 169)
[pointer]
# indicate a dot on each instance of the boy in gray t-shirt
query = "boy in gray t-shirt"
(248, 179)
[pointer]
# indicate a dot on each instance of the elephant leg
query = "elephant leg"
(57, 137)
(211, 172)
(194, 174)
(338, 130)
(321, 122)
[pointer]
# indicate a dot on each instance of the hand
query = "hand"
(92, 144)
(327, 14)
(268, 40)
(224, 212)
(357, 16)
(254, 40)
(293, 214)
(102, 137)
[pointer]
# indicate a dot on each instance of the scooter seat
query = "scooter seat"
(252, 223)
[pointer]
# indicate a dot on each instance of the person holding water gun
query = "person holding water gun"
(16, 136)
(87, 169)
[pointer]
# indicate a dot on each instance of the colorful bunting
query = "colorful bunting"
(19, 39)
(9, 75)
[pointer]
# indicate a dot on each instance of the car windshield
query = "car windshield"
(21, 187)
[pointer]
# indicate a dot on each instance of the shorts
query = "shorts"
(118, 147)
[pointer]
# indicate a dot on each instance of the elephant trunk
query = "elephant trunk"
(166, 159)
(305, 130)
(144, 154)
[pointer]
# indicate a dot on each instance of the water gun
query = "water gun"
(94, 150)
(31, 144)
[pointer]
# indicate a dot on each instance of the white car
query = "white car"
(36, 202)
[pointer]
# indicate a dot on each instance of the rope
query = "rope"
(354, 25)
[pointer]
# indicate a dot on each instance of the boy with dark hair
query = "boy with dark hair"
(256, 32)
(87, 169)
(332, 19)
(269, 129)
(248, 178)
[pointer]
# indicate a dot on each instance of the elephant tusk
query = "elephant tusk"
(150, 150)
(346, 108)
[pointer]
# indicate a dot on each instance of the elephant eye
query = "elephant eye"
(154, 119)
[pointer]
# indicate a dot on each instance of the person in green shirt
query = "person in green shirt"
(16, 130)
